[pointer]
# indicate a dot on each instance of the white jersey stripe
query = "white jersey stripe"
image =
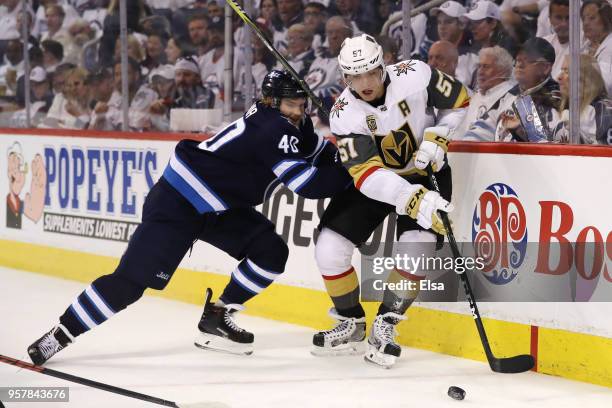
(98, 302)
(284, 166)
(82, 314)
(261, 272)
(246, 282)
(301, 179)
(206, 194)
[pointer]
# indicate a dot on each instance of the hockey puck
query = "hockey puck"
(456, 393)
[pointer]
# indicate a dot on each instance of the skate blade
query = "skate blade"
(347, 349)
(216, 343)
(378, 358)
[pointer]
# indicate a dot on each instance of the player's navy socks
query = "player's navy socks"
(248, 280)
(107, 295)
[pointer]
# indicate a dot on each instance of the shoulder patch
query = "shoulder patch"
(339, 106)
(403, 67)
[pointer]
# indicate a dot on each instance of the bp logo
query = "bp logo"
(499, 233)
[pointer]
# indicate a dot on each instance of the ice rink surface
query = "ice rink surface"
(148, 348)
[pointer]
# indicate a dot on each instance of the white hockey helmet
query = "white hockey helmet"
(361, 54)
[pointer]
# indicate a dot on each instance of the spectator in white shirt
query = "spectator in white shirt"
(8, 19)
(72, 111)
(212, 63)
(597, 24)
(289, 12)
(494, 80)
(559, 21)
(55, 19)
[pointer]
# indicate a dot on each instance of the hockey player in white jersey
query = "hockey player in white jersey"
(381, 121)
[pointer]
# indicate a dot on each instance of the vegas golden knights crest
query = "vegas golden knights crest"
(371, 121)
(397, 147)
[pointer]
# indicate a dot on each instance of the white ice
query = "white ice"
(148, 348)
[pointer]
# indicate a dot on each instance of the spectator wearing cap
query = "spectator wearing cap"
(559, 39)
(55, 15)
(485, 25)
(72, 111)
(289, 12)
(212, 63)
(597, 23)
(532, 69)
(190, 92)
(197, 26)
(53, 54)
(453, 29)
(162, 82)
(595, 107)
(324, 70)
(315, 16)
(300, 54)
(494, 80)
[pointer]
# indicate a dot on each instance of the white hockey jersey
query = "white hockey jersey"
(371, 137)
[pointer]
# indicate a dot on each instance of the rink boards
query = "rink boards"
(91, 199)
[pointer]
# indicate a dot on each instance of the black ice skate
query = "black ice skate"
(219, 331)
(382, 348)
(48, 345)
(344, 339)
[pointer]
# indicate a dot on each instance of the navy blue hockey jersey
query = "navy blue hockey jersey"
(242, 164)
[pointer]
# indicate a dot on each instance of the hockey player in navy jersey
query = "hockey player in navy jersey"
(207, 192)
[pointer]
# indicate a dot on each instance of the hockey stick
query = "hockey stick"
(102, 386)
(516, 364)
(244, 16)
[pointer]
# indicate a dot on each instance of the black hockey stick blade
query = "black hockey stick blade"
(508, 365)
(105, 387)
(512, 365)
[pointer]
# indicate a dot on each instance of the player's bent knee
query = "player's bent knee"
(269, 251)
(333, 253)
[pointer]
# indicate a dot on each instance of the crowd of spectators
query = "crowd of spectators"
(501, 50)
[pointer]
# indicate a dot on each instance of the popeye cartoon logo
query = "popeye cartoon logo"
(32, 206)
